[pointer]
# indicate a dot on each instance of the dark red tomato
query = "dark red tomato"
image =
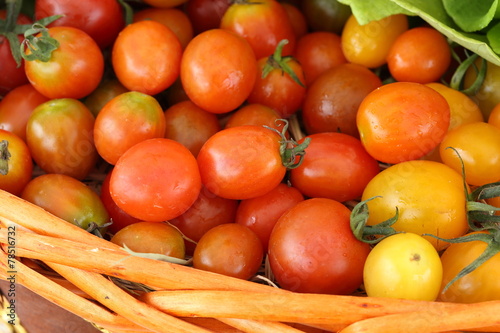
(119, 218)
(241, 162)
(260, 214)
(66, 198)
(337, 166)
(229, 249)
(313, 250)
(255, 114)
(16, 165)
(146, 57)
(155, 180)
(263, 23)
(127, 119)
(297, 19)
(100, 19)
(206, 14)
(206, 212)
(75, 68)
(59, 135)
(332, 101)
(190, 125)
(16, 108)
(106, 91)
(325, 15)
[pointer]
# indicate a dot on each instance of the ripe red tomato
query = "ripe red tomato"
(146, 57)
(75, 68)
(313, 250)
(16, 165)
(206, 14)
(229, 249)
(255, 114)
(222, 82)
(297, 19)
(155, 180)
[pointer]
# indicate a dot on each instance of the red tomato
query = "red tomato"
(155, 180)
(313, 250)
(206, 14)
(255, 114)
(127, 119)
(165, 3)
(100, 19)
(222, 82)
(146, 57)
(337, 166)
(260, 214)
(16, 165)
(75, 68)
(106, 91)
(297, 19)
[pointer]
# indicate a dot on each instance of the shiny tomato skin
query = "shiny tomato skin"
(222, 82)
(241, 162)
(66, 198)
(155, 180)
(312, 249)
(16, 164)
(336, 166)
(74, 70)
(59, 134)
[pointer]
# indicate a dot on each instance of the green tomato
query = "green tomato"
(403, 265)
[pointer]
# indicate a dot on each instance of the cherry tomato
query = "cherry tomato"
(16, 108)
(155, 180)
(404, 266)
(263, 23)
(59, 135)
(146, 57)
(493, 118)
(222, 82)
(429, 197)
(16, 165)
(66, 198)
(165, 3)
(325, 15)
(229, 249)
(105, 92)
(332, 101)
(206, 14)
(75, 68)
(312, 249)
(369, 44)
(125, 120)
(402, 121)
(478, 145)
(255, 114)
(297, 19)
(337, 166)
(151, 237)
(260, 214)
(488, 94)
(420, 54)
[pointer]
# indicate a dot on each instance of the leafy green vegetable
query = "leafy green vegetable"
(469, 15)
(367, 11)
(493, 36)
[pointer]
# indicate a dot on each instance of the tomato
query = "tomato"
(255, 114)
(325, 15)
(369, 44)
(206, 14)
(480, 285)
(336, 166)
(16, 165)
(229, 249)
(66, 198)
(151, 237)
(101, 19)
(16, 108)
(155, 180)
(263, 23)
(74, 69)
(493, 118)
(59, 135)
(260, 214)
(402, 121)
(190, 125)
(146, 57)
(105, 92)
(125, 120)
(205, 213)
(333, 99)
(488, 94)
(222, 82)
(478, 145)
(318, 51)
(429, 196)
(296, 18)
(165, 3)
(404, 266)
(313, 250)
(241, 162)
(420, 54)
(173, 18)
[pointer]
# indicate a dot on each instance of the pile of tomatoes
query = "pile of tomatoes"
(259, 134)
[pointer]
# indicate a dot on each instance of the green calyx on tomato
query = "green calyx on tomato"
(4, 157)
(41, 48)
(277, 61)
(458, 77)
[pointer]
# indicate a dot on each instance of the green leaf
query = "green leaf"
(493, 36)
(469, 15)
(374, 10)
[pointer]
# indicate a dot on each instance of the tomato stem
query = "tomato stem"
(457, 78)
(4, 157)
(41, 47)
(277, 61)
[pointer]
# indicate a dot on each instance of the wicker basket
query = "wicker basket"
(105, 285)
